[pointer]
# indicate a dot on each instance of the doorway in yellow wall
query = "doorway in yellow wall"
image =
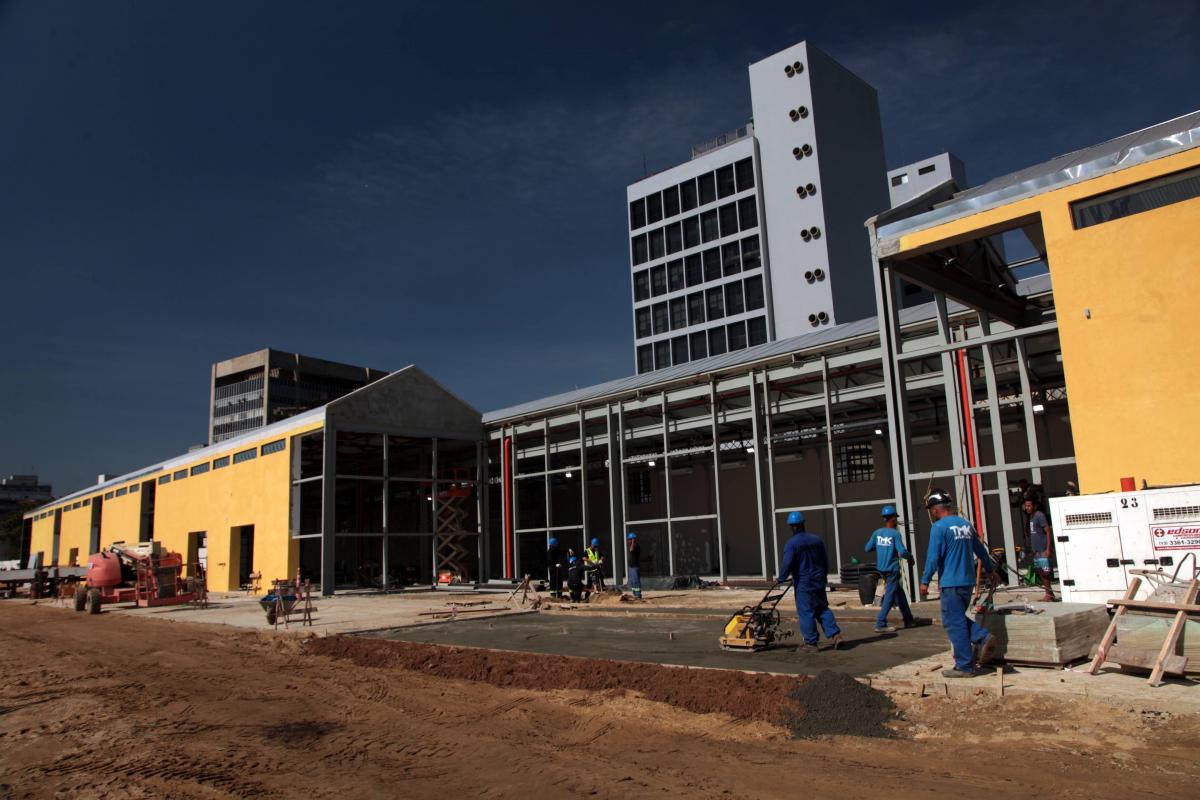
(243, 542)
(197, 553)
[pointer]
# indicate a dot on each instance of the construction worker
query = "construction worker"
(953, 548)
(575, 571)
(634, 565)
(1041, 547)
(594, 561)
(806, 565)
(554, 565)
(888, 546)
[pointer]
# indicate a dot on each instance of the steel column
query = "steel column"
(837, 536)
(716, 450)
(758, 494)
(993, 400)
(766, 382)
(1027, 404)
(328, 487)
(666, 449)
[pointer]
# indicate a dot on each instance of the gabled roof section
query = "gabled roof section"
(1164, 139)
(407, 402)
(820, 339)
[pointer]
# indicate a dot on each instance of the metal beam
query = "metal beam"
(972, 294)
(758, 494)
(716, 451)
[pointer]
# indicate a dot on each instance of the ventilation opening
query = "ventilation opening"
(809, 276)
(1177, 512)
(1102, 518)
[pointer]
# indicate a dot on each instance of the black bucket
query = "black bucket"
(866, 587)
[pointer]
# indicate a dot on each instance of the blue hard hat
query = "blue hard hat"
(572, 560)
(795, 518)
(888, 511)
(595, 542)
(631, 535)
(553, 542)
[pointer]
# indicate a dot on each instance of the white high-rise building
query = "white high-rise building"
(760, 235)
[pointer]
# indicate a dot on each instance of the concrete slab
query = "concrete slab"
(684, 641)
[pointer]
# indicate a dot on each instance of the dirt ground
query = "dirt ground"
(117, 706)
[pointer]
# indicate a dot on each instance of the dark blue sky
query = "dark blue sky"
(387, 183)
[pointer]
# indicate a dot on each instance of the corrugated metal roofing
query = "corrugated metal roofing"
(1147, 144)
(810, 341)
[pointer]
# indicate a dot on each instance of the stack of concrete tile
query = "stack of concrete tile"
(1137, 632)
(1055, 633)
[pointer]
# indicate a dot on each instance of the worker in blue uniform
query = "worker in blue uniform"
(807, 567)
(888, 546)
(953, 547)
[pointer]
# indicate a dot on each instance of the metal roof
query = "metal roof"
(1163, 139)
(823, 338)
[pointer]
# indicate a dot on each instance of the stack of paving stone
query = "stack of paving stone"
(1145, 633)
(1052, 634)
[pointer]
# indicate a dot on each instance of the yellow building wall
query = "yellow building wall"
(42, 539)
(255, 492)
(76, 533)
(122, 516)
(1132, 368)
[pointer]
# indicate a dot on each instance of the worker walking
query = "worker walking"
(634, 565)
(1040, 545)
(807, 566)
(888, 546)
(594, 561)
(953, 548)
(554, 567)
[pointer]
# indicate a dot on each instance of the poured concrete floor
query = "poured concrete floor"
(681, 640)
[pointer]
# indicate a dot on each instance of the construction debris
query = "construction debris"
(1053, 634)
(835, 704)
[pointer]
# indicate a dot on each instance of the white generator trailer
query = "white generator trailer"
(1100, 540)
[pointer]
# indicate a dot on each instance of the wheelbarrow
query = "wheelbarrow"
(282, 598)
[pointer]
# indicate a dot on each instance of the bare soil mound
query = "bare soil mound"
(738, 694)
(835, 704)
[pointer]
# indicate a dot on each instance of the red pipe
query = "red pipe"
(506, 480)
(972, 456)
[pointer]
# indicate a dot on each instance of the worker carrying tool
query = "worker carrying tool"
(594, 561)
(807, 566)
(888, 546)
(953, 547)
(554, 567)
(575, 571)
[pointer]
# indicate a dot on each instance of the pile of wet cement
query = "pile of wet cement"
(738, 694)
(835, 704)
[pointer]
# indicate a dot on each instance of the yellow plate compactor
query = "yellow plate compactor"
(757, 627)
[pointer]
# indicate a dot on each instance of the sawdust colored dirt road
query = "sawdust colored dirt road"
(115, 707)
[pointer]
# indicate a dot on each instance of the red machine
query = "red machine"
(142, 573)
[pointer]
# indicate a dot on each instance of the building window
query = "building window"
(108, 495)
(734, 304)
(662, 322)
(712, 264)
(729, 222)
(163, 479)
(78, 504)
(695, 302)
(731, 259)
(122, 491)
(670, 202)
(745, 174)
(658, 280)
(200, 469)
(691, 232)
(657, 244)
(716, 340)
(708, 189)
(641, 285)
(928, 168)
(276, 446)
(687, 195)
(645, 358)
(751, 255)
(644, 325)
(245, 455)
(737, 336)
(637, 214)
(674, 238)
(725, 184)
(223, 461)
(756, 330)
(654, 208)
(699, 345)
(754, 293)
(716, 303)
(678, 313)
(900, 180)
(179, 475)
(708, 226)
(694, 268)
(641, 254)
(639, 488)
(855, 463)
(679, 350)
(662, 354)
(1137, 199)
(134, 489)
(748, 213)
